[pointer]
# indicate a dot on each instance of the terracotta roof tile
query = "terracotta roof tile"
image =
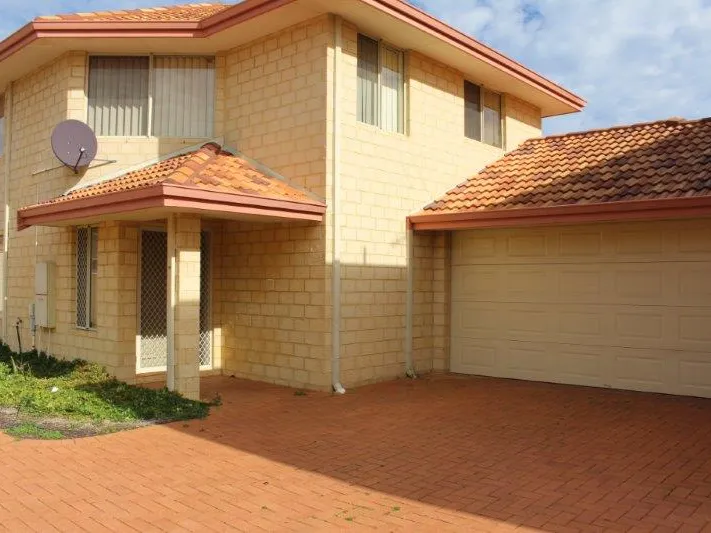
(209, 169)
(179, 13)
(658, 160)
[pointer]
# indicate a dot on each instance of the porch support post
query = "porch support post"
(184, 304)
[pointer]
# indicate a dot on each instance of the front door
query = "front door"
(153, 301)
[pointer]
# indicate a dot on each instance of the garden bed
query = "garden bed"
(48, 398)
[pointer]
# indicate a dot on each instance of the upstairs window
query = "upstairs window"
(161, 96)
(482, 115)
(2, 124)
(381, 85)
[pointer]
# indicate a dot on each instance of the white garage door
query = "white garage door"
(626, 306)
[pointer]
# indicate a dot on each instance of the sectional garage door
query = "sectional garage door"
(626, 306)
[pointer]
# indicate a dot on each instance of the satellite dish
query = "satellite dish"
(74, 144)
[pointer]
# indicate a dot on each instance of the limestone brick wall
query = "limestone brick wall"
(187, 304)
(272, 281)
(275, 320)
(274, 299)
(2, 259)
(2, 180)
(387, 176)
(42, 99)
(522, 121)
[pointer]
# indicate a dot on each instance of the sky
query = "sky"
(632, 60)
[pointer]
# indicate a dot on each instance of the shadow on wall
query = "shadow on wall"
(529, 454)
(276, 330)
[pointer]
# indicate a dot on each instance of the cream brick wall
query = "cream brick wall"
(2, 180)
(522, 121)
(275, 316)
(274, 300)
(187, 305)
(387, 176)
(272, 281)
(42, 100)
(54, 93)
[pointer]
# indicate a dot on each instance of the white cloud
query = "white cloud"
(633, 60)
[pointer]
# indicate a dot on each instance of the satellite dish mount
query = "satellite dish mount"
(74, 144)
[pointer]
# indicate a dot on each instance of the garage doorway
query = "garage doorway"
(625, 306)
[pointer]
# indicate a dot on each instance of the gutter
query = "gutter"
(654, 209)
(167, 196)
(6, 224)
(336, 214)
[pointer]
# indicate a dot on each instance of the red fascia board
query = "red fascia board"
(569, 214)
(426, 22)
(166, 196)
(238, 13)
(253, 8)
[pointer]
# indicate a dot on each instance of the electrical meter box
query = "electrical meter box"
(45, 290)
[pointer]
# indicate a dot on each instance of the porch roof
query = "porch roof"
(210, 179)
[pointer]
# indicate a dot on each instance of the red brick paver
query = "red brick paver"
(441, 454)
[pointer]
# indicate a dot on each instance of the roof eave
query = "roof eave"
(668, 208)
(250, 9)
(426, 22)
(167, 196)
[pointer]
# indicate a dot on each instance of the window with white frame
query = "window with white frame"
(161, 96)
(2, 124)
(381, 85)
(87, 274)
(482, 115)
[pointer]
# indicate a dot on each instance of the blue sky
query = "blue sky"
(633, 60)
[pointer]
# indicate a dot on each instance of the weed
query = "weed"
(42, 386)
(28, 430)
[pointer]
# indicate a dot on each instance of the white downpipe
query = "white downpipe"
(170, 311)
(410, 304)
(336, 210)
(6, 224)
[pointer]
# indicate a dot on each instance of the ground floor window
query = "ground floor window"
(87, 274)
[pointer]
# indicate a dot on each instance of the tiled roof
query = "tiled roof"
(209, 169)
(652, 161)
(180, 13)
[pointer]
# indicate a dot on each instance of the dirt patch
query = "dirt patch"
(68, 429)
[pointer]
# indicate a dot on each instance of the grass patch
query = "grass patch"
(40, 386)
(29, 430)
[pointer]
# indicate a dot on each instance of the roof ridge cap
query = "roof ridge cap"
(619, 127)
(164, 7)
(187, 150)
(211, 149)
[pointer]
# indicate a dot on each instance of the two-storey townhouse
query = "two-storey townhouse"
(247, 211)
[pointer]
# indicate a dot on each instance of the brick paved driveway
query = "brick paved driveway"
(446, 454)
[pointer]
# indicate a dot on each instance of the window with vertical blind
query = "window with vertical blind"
(87, 274)
(381, 85)
(482, 115)
(162, 96)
